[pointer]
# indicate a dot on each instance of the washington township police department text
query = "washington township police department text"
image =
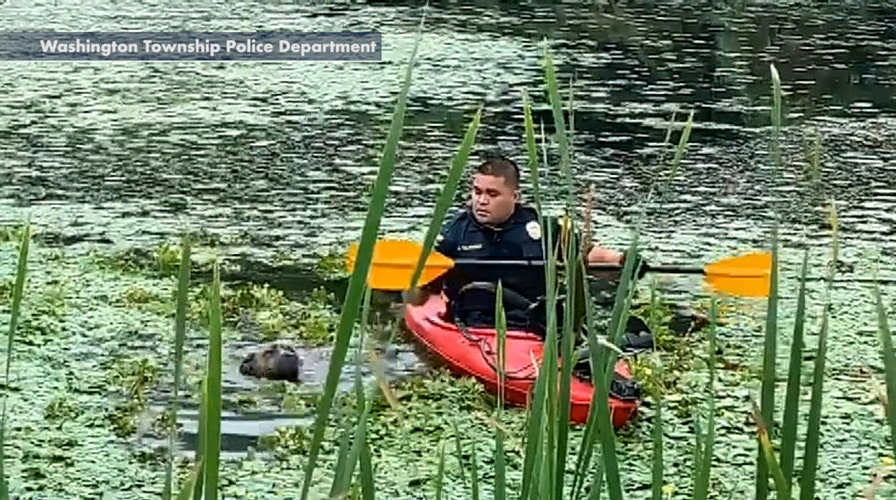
(242, 46)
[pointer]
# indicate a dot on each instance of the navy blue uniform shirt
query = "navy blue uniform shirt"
(520, 237)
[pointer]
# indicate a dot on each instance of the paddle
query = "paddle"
(394, 263)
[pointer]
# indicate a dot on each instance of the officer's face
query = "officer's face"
(493, 200)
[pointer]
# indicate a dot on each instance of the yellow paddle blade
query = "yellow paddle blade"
(746, 275)
(394, 262)
(750, 286)
(754, 264)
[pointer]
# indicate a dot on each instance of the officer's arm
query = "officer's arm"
(592, 253)
(601, 255)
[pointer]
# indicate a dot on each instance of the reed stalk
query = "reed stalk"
(180, 329)
(357, 282)
(501, 327)
(349, 456)
(767, 405)
(212, 394)
(704, 450)
(770, 351)
(18, 294)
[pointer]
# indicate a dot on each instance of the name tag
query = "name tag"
(475, 246)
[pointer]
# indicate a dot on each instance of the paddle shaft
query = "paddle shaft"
(591, 267)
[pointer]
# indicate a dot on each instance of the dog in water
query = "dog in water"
(273, 362)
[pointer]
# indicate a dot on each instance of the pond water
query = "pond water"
(273, 159)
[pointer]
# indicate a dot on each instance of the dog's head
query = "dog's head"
(275, 362)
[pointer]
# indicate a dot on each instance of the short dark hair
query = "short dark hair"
(500, 166)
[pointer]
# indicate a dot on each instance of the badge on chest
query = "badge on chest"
(534, 230)
(470, 247)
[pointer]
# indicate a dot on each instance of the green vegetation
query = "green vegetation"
(257, 311)
(359, 437)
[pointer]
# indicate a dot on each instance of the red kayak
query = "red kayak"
(475, 353)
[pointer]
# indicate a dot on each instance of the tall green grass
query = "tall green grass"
(352, 302)
(18, 293)
(547, 438)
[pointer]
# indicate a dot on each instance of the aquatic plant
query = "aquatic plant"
(18, 292)
(180, 328)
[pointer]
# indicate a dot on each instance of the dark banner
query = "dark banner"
(191, 46)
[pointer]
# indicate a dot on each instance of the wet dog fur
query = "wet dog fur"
(274, 362)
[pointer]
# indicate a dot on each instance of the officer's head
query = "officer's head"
(495, 190)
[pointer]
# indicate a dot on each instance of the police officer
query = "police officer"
(497, 226)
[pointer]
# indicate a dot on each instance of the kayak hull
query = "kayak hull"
(474, 353)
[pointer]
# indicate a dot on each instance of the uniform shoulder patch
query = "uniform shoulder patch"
(534, 229)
